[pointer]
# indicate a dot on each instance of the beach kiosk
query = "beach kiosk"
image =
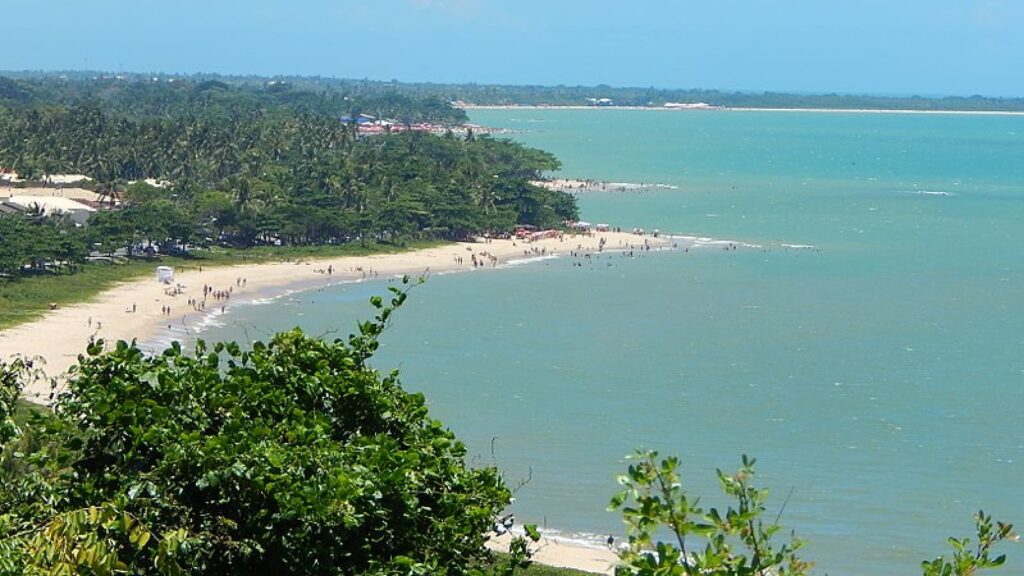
(165, 274)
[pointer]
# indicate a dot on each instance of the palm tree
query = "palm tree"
(110, 191)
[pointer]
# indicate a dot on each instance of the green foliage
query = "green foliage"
(517, 560)
(736, 542)
(274, 177)
(968, 561)
(10, 387)
(739, 542)
(142, 96)
(138, 94)
(294, 457)
(36, 244)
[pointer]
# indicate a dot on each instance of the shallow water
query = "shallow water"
(876, 376)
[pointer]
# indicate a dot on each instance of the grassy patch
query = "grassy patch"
(23, 411)
(537, 569)
(29, 298)
(542, 570)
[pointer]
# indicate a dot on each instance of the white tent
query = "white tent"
(164, 274)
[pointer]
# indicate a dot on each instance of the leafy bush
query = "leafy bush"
(738, 542)
(292, 458)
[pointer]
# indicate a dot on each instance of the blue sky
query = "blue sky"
(929, 47)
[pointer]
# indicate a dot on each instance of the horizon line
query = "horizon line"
(787, 92)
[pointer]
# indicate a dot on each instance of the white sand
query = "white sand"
(564, 555)
(61, 335)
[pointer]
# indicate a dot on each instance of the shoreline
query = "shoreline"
(559, 553)
(62, 334)
(585, 185)
(746, 109)
(153, 313)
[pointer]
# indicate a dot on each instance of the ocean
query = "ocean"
(863, 342)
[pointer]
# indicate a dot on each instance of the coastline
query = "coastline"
(61, 335)
(136, 309)
(745, 109)
(584, 185)
(561, 554)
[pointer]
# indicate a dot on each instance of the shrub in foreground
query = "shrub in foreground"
(292, 458)
(738, 541)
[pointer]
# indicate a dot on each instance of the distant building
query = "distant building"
(601, 101)
(50, 206)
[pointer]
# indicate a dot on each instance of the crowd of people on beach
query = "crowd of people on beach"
(582, 256)
(592, 185)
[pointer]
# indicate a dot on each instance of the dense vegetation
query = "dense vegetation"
(146, 96)
(250, 177)
(390, 98)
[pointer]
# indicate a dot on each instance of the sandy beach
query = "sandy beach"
(564, 555)
(145, 309)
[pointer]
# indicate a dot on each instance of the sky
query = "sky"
(897, 47)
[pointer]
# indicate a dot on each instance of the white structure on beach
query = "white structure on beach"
(165, 274)
(51, 205)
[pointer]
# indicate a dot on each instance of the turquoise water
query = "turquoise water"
(878, 376)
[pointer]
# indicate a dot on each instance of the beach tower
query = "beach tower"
(165, 274)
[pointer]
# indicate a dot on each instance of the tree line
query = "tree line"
(415, 101)
(275, 176)
(137, 96)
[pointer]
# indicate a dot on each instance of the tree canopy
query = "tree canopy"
(274, 178)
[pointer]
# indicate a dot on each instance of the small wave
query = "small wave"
(704, 241)
(799, 246)
(641, 186)
(712, 243)
(930, 193)
(575, 539)
(583, 539)
(211, 319)
(263, 301)
(531, 259)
